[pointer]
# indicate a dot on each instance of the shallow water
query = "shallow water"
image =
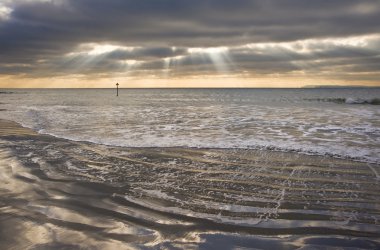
(343, 123)
(61, 193)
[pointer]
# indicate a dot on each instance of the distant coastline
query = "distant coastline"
(337, 86)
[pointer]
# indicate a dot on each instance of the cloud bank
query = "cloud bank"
(336, 39)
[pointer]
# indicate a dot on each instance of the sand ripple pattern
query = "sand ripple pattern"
(61, 193)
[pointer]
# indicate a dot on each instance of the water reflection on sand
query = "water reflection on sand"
(58, 193)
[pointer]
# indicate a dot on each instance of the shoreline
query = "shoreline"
(19, 129)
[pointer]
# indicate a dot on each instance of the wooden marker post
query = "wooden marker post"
(117, 89)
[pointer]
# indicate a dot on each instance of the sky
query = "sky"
(189, 43)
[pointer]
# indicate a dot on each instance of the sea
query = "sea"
(343, 123)
(190, 168)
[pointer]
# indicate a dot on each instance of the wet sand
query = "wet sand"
(57, 193)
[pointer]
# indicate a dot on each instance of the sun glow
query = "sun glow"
(5, 12)
(99, 49)
(102, 49)
(212, 50)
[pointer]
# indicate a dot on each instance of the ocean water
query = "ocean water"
(343, 123)
(190, 169)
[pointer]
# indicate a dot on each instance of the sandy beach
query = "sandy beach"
(57, 193)
(209, 124)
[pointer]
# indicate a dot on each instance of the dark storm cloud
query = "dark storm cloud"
(38, 34)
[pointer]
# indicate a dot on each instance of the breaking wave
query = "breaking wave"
(369, 101)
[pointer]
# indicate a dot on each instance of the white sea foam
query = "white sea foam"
(373, 101)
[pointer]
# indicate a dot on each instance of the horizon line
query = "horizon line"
(303, 87)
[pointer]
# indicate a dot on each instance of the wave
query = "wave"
(349, 100)
(346, 153)
(287, 145)
(372, 101)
